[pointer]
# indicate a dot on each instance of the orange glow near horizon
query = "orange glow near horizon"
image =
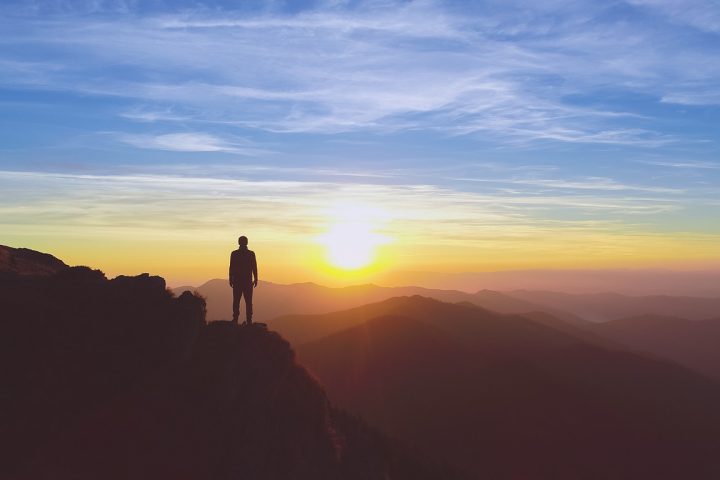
(192, 260)
(342, 236)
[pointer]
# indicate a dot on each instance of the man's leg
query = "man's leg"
(248, 292)
(237, 293)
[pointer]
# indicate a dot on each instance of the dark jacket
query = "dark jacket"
(243, 266)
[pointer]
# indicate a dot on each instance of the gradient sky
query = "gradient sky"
(473, 136)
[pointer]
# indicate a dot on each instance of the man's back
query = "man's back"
(242, 266)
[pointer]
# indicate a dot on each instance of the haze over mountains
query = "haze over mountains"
(273, 300)
(634, 282)
(695, 344)
(602, 307)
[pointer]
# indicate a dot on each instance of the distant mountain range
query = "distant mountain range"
(695, 344)
(603, 307)
(273, 300)
(634, 282)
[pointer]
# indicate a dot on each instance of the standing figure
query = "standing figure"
(243, 278)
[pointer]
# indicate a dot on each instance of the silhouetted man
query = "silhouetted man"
(243, 278)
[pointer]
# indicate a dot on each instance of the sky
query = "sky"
(451, 136)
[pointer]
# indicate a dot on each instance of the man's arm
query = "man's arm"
(230, 271)
(254, 267)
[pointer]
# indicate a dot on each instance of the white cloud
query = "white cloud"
(188, 142)
(692, 164)
(381, 67)
(587, 183)
(706, 97)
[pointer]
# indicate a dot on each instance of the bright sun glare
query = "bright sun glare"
(351, 244)
(351, 239)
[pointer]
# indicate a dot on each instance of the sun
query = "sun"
(351, 245)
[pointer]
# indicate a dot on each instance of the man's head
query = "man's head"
(243, 241)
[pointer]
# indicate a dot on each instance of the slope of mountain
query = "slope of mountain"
(693, 343)
(119, 379)
(27, 263)
(508, 398)
(299, 329)
(578, 328)
(272, 300)
(602, 307)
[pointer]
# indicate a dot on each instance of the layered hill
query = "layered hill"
(119, 379)
(272, 300)
(508, 397)
(299, 329)
(635, 282)
(603, 307)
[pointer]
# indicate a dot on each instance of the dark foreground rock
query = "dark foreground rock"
(119, 379)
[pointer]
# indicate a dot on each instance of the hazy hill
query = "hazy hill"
(693, 343)
(602, 307)
(509, 398)
(299, 329)
(119, 379)
(638, 282)
(272, 300)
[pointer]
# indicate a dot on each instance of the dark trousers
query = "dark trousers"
(238, 292)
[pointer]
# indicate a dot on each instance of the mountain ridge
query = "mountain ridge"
(274, 300)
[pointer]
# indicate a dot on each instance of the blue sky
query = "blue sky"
(563, 116)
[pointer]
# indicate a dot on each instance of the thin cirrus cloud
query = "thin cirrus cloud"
(683, 164)
(283, 206)
(390, 66)
(700, 14)
(588, 183)
(188, 142)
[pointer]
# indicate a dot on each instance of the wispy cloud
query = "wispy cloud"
(379, 67)
(588, 183)
(701, 14)
(683, 164)
(701, 97)
(293, 202)
(189, 142)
